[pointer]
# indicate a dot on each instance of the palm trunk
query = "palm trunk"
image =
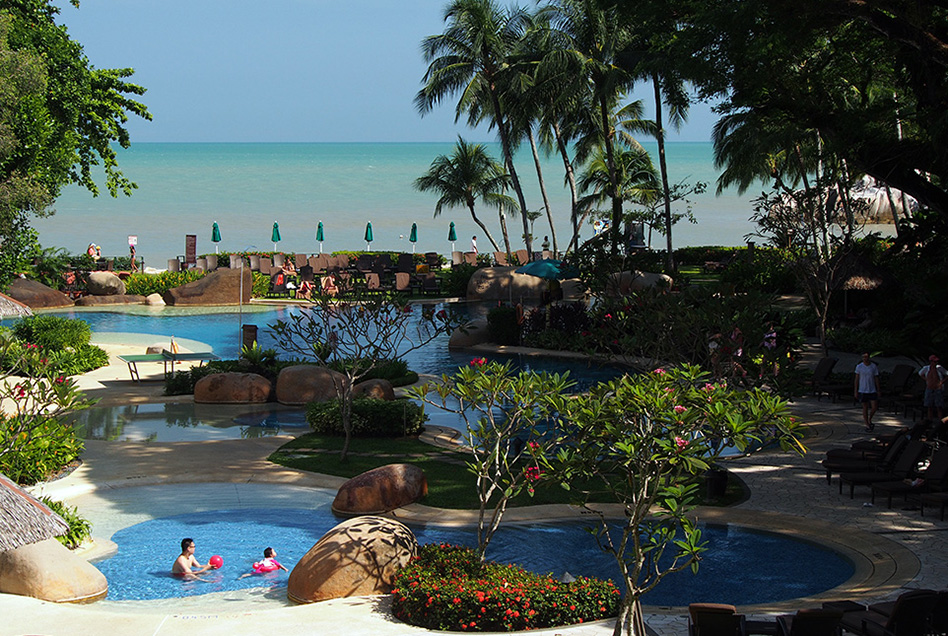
(607, 134)
(512, 170)
(503, 230)
(546, 199)
(481, 225)
(571, 180)
(663, 167)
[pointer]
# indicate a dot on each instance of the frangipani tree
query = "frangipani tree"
(647, 439)
(511, 419)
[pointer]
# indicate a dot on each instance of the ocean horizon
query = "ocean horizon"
(183, 188)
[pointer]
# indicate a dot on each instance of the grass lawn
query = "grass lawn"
(450, 484)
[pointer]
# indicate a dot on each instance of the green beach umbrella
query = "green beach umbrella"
(413, 237)
(275, 237)
(452, 235)
(368, 234)
(215, 236)
(320, 237)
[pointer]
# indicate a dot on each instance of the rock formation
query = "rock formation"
(381, 490)
(232, 388)
(36, 295)
(221, 287)
(304, 383)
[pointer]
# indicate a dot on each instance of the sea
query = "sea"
(184, 188)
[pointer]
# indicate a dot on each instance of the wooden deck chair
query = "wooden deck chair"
(405, 263)
(300, 260)
(810, 622)
(522, 256)
(500, 258)
(457, 258)
(714, 619)
(403, 282)
(470, 258)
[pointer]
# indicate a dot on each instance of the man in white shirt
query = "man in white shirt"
(866, 388)
(934, 375)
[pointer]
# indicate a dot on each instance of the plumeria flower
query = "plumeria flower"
(708, 387)
(679, 409)
(478, 362)
(659, 371)
(681, 443)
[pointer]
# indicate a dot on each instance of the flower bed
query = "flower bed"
(447, 587)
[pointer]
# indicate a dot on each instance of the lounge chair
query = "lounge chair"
(904, 468)
(896, 384)
(319, 263)
(457, 258)
(300, 260)
(821, 374)
(715, 619)
(810, 622)
(908, 615)
(522, 256)
(470, 258)
(403, 282)
(933, 478)
(405, 263)
(837, 464)
(383, 264)
(278, 284)
(433, 259)
(373, 283)
(500, 258)
(430, 284)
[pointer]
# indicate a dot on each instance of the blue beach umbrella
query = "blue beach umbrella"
(548, 269)
(368, 234)
(413, 237)
(452, 235)
(215, 236)
(275, 237)
(320, 236)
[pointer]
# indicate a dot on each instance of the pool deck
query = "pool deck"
(893, 550)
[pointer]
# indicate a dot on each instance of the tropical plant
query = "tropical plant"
(79, 528)
(473, 57)
(467, 175)
(370, 418)
(647, 439)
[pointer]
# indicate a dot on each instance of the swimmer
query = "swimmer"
(186, 565)
(268, 564)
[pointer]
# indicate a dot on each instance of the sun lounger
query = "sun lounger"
(904, 468)
(810, 622)
(933, 478)
(909, 615)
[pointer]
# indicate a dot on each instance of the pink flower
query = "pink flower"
(659, 371)
(679, 409)
(668, 389)
(533, 445)
(680, 443)
(532, 473)
(20, 392)
(607, 316)
(478, 362)
(708, 387)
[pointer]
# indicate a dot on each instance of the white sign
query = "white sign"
(132, 240)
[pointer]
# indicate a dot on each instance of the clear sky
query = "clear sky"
(283, 70)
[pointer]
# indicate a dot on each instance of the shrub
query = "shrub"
(79, 528)
(394, 370)
(447, 588)
(503, 326)
(370, 418)
(763, 270)
(63, 343)
(53, 332)
(455, 280)
(147, 284)
(854, 340)
(50, 446)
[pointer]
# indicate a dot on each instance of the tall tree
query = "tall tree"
(463, 177)
(473, 57)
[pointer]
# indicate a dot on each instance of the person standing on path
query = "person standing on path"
(474, 244)
(934, 375)
(866, 389)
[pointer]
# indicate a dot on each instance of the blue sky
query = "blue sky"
(284, 70)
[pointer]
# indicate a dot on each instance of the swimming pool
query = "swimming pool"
(741, 566)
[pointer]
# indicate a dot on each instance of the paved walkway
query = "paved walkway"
(892, 549)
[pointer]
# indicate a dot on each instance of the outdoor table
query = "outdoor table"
(165, 357)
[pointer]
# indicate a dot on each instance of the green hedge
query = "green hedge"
(370, 418)
(64, 342)
(391, 369)
(51, 445)
(147, 284)
(447, 588)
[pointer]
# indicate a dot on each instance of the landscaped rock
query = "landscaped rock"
(95, 301)
(304, 383)
(221, 287)
(380, 490)
(36, 295)
(46, 570)
(471, 334)
(232, 388)
(358, 557)
(623, 283)
(105, 284)
(379, 389)
(502, 283)
(154, 299)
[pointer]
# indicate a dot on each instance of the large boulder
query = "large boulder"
(105, 284)
(154, 299)
(221, 287)
(358, 557)
(380, 490)
(503, 283)
(379, 389)
(97, 301)
(36, 295)
(46, 570)
(471, 334)
(304, 383)
(232, 388)
(623, 283)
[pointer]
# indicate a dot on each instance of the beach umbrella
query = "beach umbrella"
(320, 237)
(413, 237)
(368, 234)
(215, 236)
(452, 235)
(275, 237)
(548, 269)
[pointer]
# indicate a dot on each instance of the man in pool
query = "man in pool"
(186, 565)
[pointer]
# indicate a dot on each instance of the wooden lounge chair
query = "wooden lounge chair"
(470, 258)
(904, 468)
(933, 478)
(457, 258)
(403, 282)
(405, 263)
(430, 284)
(851, 464)
(522, 256)
(715, 619)
(821, 373)
(500, 258)
(896, 384)
(810, 622)
(908, 615)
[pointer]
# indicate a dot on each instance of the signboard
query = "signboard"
(132, 240)
(190, 248)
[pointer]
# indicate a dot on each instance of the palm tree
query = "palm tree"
(466, 175)
(473, 57)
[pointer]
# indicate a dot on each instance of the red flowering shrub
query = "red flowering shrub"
(447, 587)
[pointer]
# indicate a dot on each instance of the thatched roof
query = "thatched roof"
(858, 274)
(10, 307)
(23, 519)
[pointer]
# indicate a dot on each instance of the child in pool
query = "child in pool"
(268, 564)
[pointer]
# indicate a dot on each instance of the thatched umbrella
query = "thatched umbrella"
(24, 519)
(10, 307)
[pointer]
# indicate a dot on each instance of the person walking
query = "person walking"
(935, 376)
(474, 244)
(866, 389)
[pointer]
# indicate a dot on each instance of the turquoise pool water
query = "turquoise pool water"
(741, 566)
